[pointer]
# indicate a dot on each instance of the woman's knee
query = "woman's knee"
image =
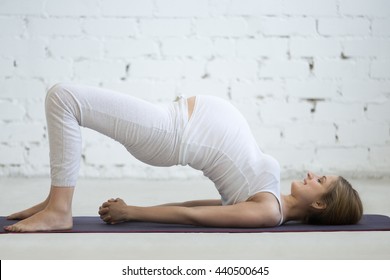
(60, 97)
(53, 93)
(55, 90)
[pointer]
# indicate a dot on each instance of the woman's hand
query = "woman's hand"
(115, 211)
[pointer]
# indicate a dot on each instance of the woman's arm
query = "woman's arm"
(194, 203)
(259, 213)
(246, 214)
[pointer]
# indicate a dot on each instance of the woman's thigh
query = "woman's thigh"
(148, 131)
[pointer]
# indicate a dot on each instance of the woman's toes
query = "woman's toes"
(15, 216)
(12, 228)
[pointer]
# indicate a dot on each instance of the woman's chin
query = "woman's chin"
(295, 185)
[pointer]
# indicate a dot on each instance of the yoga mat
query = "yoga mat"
(95, 225)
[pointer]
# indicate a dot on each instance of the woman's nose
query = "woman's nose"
(311, 175)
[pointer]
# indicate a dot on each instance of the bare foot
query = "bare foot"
(114, 211)
(55, 213)
(28, 212)
(45, 220)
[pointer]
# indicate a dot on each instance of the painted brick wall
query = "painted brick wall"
(311, 76)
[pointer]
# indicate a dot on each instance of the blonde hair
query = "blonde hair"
(343, 206)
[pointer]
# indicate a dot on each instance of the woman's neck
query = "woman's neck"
(291, 209)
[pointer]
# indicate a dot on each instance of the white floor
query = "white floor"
(17, 194)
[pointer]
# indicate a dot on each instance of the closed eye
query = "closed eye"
(321, 180)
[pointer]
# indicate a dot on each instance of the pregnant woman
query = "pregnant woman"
(208, 134)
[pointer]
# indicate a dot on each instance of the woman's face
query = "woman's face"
(312, 188)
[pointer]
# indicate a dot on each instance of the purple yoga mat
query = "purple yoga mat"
(95, 225)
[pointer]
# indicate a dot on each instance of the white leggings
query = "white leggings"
(151, 133)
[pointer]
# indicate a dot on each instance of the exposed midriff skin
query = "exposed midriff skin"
(191, 105)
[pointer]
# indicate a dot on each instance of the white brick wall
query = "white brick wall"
(312, 77)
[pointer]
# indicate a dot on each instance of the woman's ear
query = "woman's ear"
(318, 205)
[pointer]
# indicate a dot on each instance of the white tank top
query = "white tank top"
(218, 141)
